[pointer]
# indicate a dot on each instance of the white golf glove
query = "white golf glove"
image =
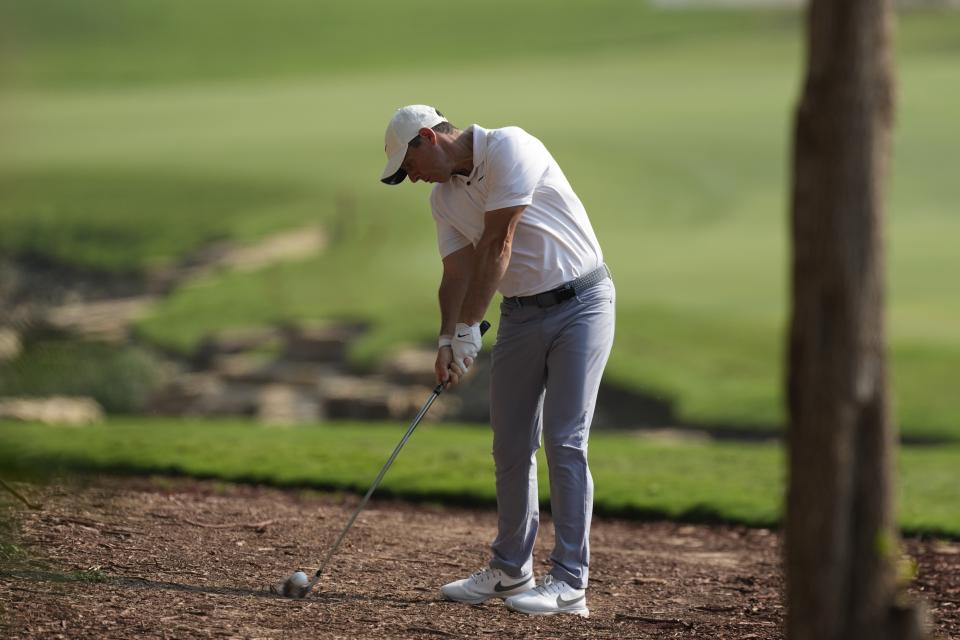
(466, 344)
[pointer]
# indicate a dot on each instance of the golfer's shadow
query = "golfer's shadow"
(144, 583)
(321, 596)
(129, 582)
(345, 598)
(316, 596)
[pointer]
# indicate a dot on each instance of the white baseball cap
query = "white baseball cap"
(404, 127)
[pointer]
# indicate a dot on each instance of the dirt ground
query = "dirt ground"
(162, 558)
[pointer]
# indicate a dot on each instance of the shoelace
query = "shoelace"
(482, 575)
(550, 586)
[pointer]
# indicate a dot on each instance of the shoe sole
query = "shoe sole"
(503, 596)
(583, 613)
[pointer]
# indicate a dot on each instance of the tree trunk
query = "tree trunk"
(841, 537)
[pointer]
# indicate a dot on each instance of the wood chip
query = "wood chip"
(437, 632)
(652, 620)
(256, 526)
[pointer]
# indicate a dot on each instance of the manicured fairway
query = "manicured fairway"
(635, 475)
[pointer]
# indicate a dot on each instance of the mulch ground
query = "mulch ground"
(162, 558)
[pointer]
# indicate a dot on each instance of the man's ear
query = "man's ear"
(429, 134)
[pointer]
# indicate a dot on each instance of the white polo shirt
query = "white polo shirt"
(553, 242)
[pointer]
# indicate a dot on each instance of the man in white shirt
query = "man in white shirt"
(508, 220)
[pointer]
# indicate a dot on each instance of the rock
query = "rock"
(108, 320)
(318, 344)
(240, 367)
(234, 341)
(372, 399)
(253, 369)
(205, 394)
(65, 410)
(281, 404)
(411, 366)
(304, 374)
(10, 345)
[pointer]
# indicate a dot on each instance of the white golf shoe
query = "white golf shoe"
(552, 597)
(485, 584)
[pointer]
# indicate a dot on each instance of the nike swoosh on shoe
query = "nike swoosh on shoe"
(566, 603)
(499, 588)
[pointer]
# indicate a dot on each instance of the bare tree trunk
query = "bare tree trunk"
(841, 538)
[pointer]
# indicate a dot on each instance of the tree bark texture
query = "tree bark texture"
(841, 538)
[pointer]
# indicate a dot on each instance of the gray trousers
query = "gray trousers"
(546, 369)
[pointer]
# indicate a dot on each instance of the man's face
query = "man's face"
(426, 161)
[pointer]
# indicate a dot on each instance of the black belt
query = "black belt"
(563, 292)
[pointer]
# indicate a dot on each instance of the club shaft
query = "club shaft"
(393, 456)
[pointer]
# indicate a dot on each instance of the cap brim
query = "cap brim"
(392, 173)
(396, 178)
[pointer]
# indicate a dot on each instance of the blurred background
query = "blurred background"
(191, 222)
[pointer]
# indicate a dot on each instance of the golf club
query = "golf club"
(298, 585)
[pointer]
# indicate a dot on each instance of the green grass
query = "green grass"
(11, 552)
(136, 43)
(137, 131)
(635, 476)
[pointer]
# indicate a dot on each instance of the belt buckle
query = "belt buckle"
(565, 293)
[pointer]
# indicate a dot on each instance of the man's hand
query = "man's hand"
(467, 341)
(448, 374)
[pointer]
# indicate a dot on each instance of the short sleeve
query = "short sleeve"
(448, 238)
(515, 165)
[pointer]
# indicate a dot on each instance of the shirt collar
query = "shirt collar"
(479, 148)
(479, 152)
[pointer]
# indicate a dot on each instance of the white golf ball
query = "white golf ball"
(299, 579)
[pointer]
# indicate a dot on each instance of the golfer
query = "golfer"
(508, 220)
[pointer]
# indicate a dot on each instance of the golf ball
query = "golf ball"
(299, 579)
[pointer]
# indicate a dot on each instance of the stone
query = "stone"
(371, 399)
(240, 367)
(62, 410)
(234, 341)
(303, 374)
(280, 405)
(411, 366)
(254, 369)
(318, 344)
(108, 320)
(10, 344)
(205, 394)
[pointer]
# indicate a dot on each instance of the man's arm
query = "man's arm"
(490, 260)
(457, 268)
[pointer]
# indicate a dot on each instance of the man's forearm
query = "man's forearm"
(452, 291)
(490, 262)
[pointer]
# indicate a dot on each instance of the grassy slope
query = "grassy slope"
(634, 475)
(152, 127)
(61, 44)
